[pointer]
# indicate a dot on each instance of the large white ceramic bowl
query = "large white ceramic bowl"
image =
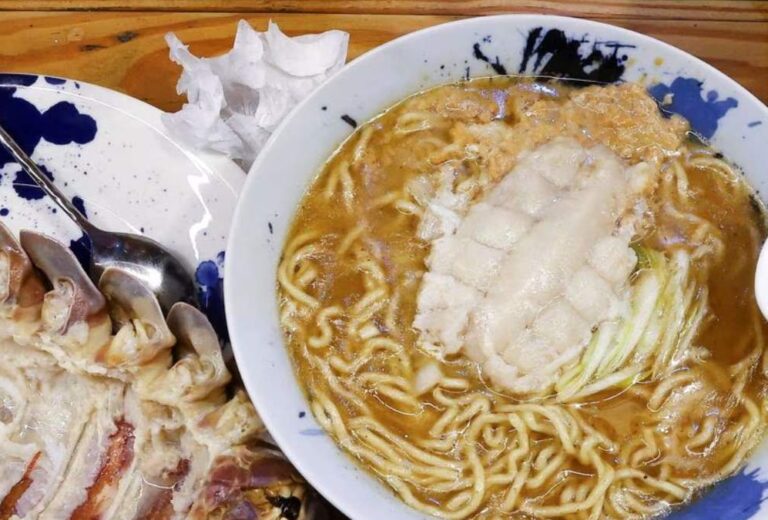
(719, 109)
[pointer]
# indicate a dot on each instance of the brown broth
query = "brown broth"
(530, 117)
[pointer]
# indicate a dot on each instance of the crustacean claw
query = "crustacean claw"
(141, 332)
(200, 370)
(74, 297)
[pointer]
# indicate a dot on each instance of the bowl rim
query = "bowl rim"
(335, 493)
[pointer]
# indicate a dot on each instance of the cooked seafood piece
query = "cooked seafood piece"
(110, 410)
(535, 266)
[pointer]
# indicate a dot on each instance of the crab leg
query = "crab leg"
(77, 299)
(141, 330)
(74, 312)
(200, 372)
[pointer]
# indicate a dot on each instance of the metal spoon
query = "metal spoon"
(761, 281)
(163, 273)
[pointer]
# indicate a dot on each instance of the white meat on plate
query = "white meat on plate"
(534, 266)
(99, 418)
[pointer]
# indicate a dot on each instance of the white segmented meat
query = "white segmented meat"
(561, 326)
(467, 260)
(561, 163)
(495, 227)
(590, 294)
(529, 193)
(612, 259)
(534, 266)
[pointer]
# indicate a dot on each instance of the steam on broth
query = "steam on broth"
(513, 298)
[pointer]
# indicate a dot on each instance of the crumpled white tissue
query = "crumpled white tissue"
(236, 100)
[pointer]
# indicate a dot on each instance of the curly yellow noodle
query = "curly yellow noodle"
(410, 405)
(340, 175)
(442, 397)
(368, 305)
(479, 405)
(417, 122)
(365, 355)
(329, 414)
(664, 388)
(446, 419)
(704, 437)
(386, 199)
(323, 340)
(374, 379)
(336, 385)
(364, 310)
(595, 497)
(349, 239)
(521, 475)
(715, 165)
(306, 274)
(546, 472)
(544, 456)
(557, 418)
(451, 151)
(607, 444)
(405, 446)
(681, 178)
(290, 317)
(648, 452)
(667, 487)
(644, 510)
(296, 250)
(568, 494)
(494, 437)
(347, 185)
(390, 315)
(534, 425)
(374, 276)
(362, 144)
(440, 445)
(582, 491)
(368, 330)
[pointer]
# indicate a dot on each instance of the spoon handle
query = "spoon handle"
(43, 181)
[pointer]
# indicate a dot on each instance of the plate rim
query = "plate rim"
(148, 114)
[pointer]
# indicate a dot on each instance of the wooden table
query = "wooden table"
(119, 43)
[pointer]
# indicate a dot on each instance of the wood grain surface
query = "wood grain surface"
(656, 9)
(119, 43)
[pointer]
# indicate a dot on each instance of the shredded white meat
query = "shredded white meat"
(531, 269)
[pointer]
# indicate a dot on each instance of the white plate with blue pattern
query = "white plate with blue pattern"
(719, 109)
(111, 155)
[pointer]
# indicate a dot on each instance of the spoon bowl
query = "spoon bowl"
(761, 280)
(161, 272)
